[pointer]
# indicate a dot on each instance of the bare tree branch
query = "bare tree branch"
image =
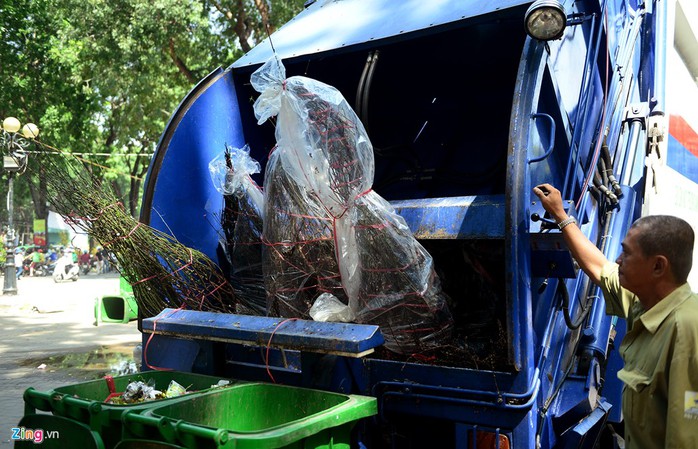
(241, 28)
(181, 66)
(239, 20)
(263, 9)
(226, 12)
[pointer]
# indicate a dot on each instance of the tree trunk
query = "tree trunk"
(181, 66)
(241, 28)
(39, 196)
(263, 9)
(239, 21)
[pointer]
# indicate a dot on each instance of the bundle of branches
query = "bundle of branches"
(327, 161)
(241, 223)
(163, 272)
(399, 288)
(299, 259)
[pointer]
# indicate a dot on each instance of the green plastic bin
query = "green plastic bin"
(115, 309)
(120, 308)
(55, 432)
(144, 444)
(125, 288)
(84, 402)
(254, 416)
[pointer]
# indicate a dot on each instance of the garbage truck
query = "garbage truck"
(468, 105)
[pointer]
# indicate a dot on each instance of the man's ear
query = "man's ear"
(661, 266)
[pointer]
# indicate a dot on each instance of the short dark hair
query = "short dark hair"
(668, 236)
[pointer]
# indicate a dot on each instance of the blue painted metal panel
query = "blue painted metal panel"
(518, 199)
(577, 398)
(468, 217)
(613, 386)
(550, 257)
(159, 353)
(311, 336)
(331, 24)
(599, 324)
(451, 407)
(492, 383)
(585, 434)
(180, 198)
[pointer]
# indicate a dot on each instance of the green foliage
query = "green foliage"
(104, 76)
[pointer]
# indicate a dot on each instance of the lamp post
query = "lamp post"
(14, 151)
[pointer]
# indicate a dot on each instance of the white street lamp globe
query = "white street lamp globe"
(11, 125)
(30, 131)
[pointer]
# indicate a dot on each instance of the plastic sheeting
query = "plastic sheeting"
(299, 262)
(326, 231)
(242, 227)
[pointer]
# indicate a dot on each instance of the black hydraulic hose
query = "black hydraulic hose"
(606, 179)
(606, 157)
(565, 296)
(558, 387)
(364, 88)
(598, 196)
(367, 88)
(597, 180)
(362, 85)
(600, 183)
(602, 171)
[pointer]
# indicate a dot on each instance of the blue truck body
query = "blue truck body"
(466, 113)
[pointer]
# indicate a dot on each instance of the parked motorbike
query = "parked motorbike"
(40, 269)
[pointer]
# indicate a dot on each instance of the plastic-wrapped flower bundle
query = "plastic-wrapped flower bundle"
(325, 227)
(241, 221)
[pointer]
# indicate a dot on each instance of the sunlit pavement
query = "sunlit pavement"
(52, 324)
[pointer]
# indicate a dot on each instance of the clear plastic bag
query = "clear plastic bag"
(241, 221)
(299, 262)
(322, 170)
(140, 391)
(328, 308)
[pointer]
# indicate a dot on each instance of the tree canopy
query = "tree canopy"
(101, 78)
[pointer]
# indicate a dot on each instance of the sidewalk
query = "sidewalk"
(52, 324)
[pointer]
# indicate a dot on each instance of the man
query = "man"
(100, 260)
(19, 263)
(85, 262)
(647, 286)
(36, 261)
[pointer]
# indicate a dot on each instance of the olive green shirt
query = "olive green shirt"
(660, 373)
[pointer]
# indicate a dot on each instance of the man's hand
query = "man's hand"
(551, 199)
(589, 257)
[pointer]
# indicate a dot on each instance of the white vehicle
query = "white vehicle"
(66, 269)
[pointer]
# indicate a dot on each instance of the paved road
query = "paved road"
(52, 324)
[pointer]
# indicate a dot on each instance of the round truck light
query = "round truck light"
(545, 20)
